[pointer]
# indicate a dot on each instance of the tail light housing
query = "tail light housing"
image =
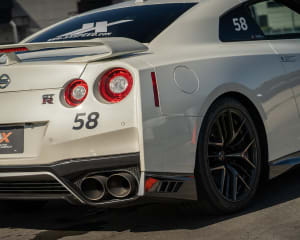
(76, 92)
(115, 85)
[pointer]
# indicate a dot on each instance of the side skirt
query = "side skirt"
(281, 165)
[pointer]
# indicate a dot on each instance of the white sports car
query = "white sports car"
(196, 100)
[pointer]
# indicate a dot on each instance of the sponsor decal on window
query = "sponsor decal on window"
(97, 29)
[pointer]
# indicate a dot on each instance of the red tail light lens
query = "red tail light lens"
(115, 85)
(76, 92)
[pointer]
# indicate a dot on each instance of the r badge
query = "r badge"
(48, 99)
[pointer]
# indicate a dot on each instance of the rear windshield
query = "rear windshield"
(141, 23)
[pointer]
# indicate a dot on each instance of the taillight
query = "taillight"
(115, 85)
(76, 92)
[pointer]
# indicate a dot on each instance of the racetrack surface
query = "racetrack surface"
(274, 215)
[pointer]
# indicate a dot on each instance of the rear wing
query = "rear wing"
(116, 47)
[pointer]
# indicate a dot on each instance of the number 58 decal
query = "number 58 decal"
(90, 122)
(240, 24)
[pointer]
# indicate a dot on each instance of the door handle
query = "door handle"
(288, 58)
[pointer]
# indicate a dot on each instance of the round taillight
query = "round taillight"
(115, 85)
(76, 92)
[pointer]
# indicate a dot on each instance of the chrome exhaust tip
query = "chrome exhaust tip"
(93, 188)
(121, 185)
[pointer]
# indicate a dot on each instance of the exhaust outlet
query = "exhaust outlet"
(93, 188)
(121, 185)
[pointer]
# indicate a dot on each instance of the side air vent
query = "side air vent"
(169, 186)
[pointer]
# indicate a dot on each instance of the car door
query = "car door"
(280, 23)
(289, 53)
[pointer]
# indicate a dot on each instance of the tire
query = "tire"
(228, 165)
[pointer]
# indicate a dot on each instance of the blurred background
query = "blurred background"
(21, 18)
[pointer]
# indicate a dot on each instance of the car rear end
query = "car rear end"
(71, 123)
(52, 143)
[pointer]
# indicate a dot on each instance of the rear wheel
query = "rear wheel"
(228, 163)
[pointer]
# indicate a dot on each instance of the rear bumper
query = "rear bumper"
(60, 180)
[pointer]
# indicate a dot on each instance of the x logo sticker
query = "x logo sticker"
(5, 137)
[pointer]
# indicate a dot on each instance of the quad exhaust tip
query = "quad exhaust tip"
(121, 185)
(93, 188)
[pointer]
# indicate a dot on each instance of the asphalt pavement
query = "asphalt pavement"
(274, 215)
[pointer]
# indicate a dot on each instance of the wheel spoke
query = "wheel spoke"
(220, 132)
(223, 124)
(222, 167)
(249, 162)
(231, 126)
(233, 155)
(216, 144)
(234, 136)
(242, 169)
(234, 174)
(227, 186)
(234, 187)
(223, 176)
(213, 156)
(240, 128)
(242, 156)
(238, 143)
(223, 180)
(247, 148)
(244, 182)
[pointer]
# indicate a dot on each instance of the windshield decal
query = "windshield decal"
(142, 23)
(98, 29)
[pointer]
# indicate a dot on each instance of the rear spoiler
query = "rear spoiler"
(116, 47)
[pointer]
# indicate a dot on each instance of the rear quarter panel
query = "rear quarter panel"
(249, 68)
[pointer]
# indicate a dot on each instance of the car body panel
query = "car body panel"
(270, 90)
(289, 53)
(37, 76)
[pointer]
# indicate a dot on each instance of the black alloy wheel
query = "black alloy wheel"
(229, 157)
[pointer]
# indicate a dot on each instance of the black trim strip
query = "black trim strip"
(283, 164)
(71, 166)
